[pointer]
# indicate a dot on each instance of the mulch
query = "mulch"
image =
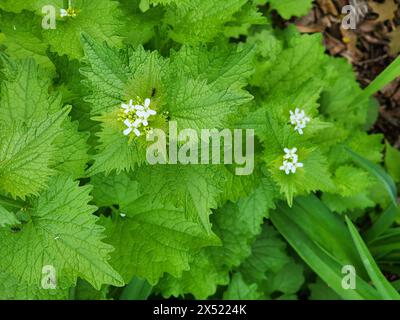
(370, 48)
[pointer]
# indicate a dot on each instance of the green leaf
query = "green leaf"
(392, 160)
(27, 154)
(237, 225)
(153, 239)
(279, 282)
(200, 20)
(385, 289)
(23, 38)
(84, 291)
(238, 289)
(150, 237)
(197, 190)
(137, 289)
(385, 77)
(288, 69)
(320, 291)
(378, 172)
(268, 267)
(7, 218)
(72, 153)
(25, 92)
(289, 8)
(384, 221)
(62, 233)
(100, 19)
(316, 246)
(268, 253)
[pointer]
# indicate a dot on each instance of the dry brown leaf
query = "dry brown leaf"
(350, 39)
(310, 29)
(328, 7)
(386, 10)
(394, 46)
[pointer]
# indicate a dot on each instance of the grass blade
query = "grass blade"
(382, 285)
(382, 224)
(387, 76)
(328, 267)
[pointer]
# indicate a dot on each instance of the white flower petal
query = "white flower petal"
(127, 123)
(127, 131)
(147, 103)
(137, 132)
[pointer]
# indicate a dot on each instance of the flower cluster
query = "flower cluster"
(299, 120)
(70, 12)
(290, 161)
(135, 116)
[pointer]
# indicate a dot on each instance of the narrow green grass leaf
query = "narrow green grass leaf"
(383, 223)
(383, 286)
(327, 267)
(323, 227)
(388, 75)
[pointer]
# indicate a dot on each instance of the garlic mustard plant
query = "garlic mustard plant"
(211, 205)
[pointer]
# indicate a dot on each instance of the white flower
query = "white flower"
(149, 111)
(288, 167)
(123, 215)
(63, 13)
(290, 161)
(291, 154)
(145, 112)
(142, 117)
(131, 128)
(136, 116)
(128, 107)
(131, 107)
(299, 119)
